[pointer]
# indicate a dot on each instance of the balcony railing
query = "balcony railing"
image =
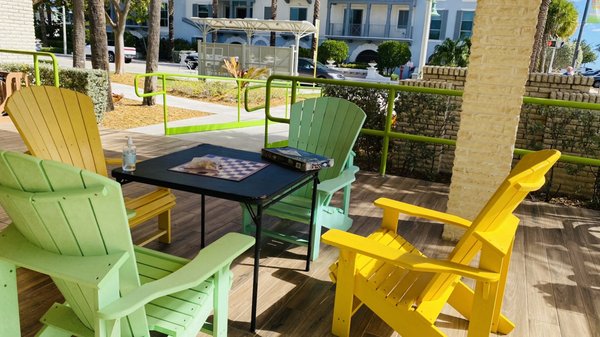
(372, 30)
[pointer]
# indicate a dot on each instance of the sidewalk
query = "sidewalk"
(251, 138)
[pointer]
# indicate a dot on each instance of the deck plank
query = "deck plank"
(553, 287)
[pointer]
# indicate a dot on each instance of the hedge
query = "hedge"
(92, 82)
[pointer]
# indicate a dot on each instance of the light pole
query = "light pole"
(585, 13)
(430, 11)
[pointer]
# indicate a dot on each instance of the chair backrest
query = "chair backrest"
(12, 82)
(80, 224)
(58, 124)
(526, 176)
(328, 126)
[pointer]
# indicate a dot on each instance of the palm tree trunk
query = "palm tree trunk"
(78, 34)
(215, 14)
(99, 43)
(317, 11)
(153, 45)
(273, 17)
(171, 29)
(538, 42)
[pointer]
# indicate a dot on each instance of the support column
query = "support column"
(368, 22)
(328, 22)
(494, 89)
(347, 19)
(388, 20)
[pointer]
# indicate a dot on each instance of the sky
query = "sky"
(591, 32)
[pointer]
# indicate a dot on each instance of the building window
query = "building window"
(466, 24)
(437, 28)
(201, 11)
(298, 14)
(164, 15)
(402, 19)
(268, 13)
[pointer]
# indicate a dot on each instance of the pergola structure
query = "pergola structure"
(300, 29)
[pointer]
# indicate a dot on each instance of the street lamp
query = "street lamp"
(430, 10)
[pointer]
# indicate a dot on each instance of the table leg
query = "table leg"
(311, 223)
(257, 246)
(202, 222)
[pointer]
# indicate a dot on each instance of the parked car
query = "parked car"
(129, 53)
(306, 68)
(596, 75)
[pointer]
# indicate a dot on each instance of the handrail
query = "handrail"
(36, 67)
(388, 134)
(186, 129)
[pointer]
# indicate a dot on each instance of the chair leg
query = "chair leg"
(9, 302)
(164, 223)
(344, 295)
(247, 222)
(221, 302)
(483, 309)
(316, 241)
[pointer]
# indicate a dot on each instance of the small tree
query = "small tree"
(451, 53)
(333, 50)
(589, 55)
(392, 54)
(564, 56)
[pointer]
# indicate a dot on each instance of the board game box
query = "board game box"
(296, 158)
(220, 167)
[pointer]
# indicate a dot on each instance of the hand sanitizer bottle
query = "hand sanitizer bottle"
(129, 154)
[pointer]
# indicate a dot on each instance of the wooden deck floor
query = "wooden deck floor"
(553, 288)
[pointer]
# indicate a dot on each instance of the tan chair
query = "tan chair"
(60, 124)
(12, 82)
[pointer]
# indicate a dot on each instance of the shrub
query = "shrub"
(305, 52)
(92, 82)
(333, 50)
(392, 54)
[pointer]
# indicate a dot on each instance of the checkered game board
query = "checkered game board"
(229, 168)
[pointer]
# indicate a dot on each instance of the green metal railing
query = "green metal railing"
(387, 134)
(36, 65)
(164, 77)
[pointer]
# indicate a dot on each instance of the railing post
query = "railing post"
(36, 70)
(163, 79)
(388, 129)
(239, 99)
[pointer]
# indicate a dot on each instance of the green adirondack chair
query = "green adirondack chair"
(71, 224)
(328, 126)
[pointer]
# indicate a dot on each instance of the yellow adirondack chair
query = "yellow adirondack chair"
(407, 290)
(59, 124)
(71, 224)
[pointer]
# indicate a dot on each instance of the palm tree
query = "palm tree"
(78, 34)
(561, 22)
(538, 42)
(273, 17)
(317, 10)
(152, 51)
(171, 10)
(99, 43)
(452, 53)
(215, 14)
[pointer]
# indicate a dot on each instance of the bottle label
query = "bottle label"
(128, 161)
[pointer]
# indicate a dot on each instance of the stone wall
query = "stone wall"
(16, 27)
(572, 131)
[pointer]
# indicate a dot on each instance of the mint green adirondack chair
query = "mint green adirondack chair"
(328, 126)
(71, 224)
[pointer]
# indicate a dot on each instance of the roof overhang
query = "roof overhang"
(299, 28)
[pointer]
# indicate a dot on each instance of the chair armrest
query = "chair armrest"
(208, 261)
(332, 185)
(87, 270)
(422, 212)
(371, 248)
(113, 161)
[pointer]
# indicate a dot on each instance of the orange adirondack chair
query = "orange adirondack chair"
(59, 124)
(408, 290)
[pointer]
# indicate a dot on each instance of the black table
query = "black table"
(259, 190)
